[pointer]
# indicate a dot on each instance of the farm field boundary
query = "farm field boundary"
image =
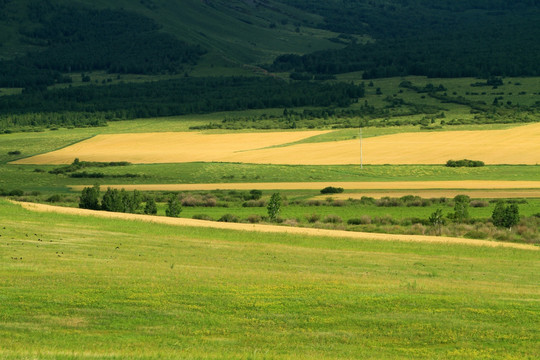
(271, 228)
(519, 145)
(353, 185)
(427, 194)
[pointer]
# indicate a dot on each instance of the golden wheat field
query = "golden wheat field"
(473, 185)
(519, 145)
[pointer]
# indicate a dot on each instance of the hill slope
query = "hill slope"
(81, 287)
(236, 31)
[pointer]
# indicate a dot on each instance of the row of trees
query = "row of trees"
(504, 215)
(115, 200)
(174, 97)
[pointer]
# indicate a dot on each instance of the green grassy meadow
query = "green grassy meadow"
(82, 287)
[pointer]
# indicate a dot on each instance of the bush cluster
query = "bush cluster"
(464, 163)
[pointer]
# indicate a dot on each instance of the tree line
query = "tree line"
(169, 98)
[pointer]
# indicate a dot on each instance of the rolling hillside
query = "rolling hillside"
(232, 32)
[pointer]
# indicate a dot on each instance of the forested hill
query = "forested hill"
(443, 38)
(41, 41)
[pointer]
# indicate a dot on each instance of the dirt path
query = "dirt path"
(375, 185)
(272, 228)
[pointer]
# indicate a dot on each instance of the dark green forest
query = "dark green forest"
(167, 98)
(431, 38)
(80, 39)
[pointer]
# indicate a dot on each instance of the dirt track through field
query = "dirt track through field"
(518, 145)
(272, 228)
(368, 185)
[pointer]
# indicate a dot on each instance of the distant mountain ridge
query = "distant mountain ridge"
(41, 40)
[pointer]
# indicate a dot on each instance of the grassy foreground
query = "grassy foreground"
(79, 287)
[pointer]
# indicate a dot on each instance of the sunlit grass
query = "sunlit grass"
(96, 288)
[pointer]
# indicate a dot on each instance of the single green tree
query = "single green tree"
(173, 206)
(150, 208)
(113, 201)
(437, 221)
(498, 214)
(90, 198)
(461, 208)
(274, 206)
(512, 216)
(505, 216)
(132, 202)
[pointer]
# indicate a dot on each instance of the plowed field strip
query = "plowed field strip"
(272, 228)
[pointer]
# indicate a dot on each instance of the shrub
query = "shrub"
(332, 190)
(363, 220)
(290, 222)
(417, 229)
(255, 194)
(388, 202)
(15, 152)
(254, 203)
(202, 217)
(464, 163)
(367, 200)
(54, 198)
(210, 202)
(254, 219)
(229, 218)
(16, 192)
(384, 220)
(332, 219)
(479, 203)
(476, 234)
(190, 201)
(313, 218)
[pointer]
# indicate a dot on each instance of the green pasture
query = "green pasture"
(25, 177)
(36, 178)
(518, 90)
(82, 287)
(349, 211)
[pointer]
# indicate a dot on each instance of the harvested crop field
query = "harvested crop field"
(167, 147)
(519, 145)
(387, 185)
(273, 228)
